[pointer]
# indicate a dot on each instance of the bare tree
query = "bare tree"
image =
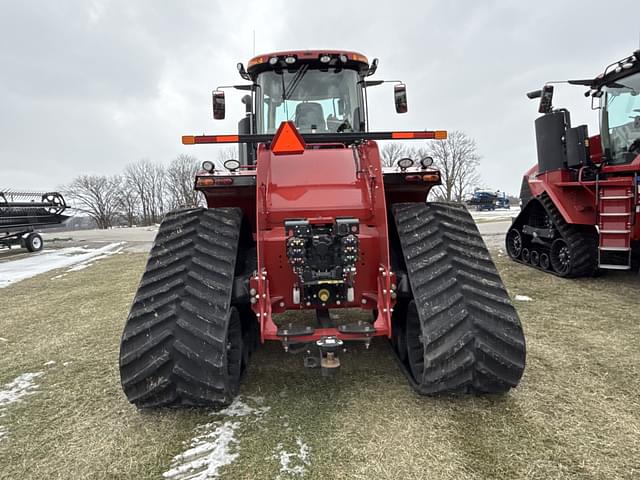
(146, 179)
(391, 152)
(180, 177)
(225, 154)
(458, 159)
(129, 203)
(97, 196)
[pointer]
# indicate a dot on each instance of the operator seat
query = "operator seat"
(309, 115)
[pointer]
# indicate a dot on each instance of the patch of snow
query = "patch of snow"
(49, 363)
(523, 298)
(15, 391)
(294, 463)
(35, 264)
(2, 339)
(207, 455)
(214, 444)
(66, 364)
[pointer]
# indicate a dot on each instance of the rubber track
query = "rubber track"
(583, 244)
(472, 337)
(173, 349)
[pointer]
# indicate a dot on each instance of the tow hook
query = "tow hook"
(329, 361)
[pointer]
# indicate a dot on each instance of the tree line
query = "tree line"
(456, 157)
(141, 195)
(146, 190)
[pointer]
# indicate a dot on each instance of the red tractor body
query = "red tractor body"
(581, 202)
(308, 219)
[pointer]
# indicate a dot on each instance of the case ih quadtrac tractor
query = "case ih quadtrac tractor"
(308, 219)
(581, 202)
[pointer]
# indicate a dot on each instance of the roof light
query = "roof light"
(290, 60)
(208, 166)
(287, 140)
(405, 163)
(426, 162)
(232, 164)
(343, 58)
(273, 60)
(325, 58)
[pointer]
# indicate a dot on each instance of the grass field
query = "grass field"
(576, 413)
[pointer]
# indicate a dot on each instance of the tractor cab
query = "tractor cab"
(620, 119)
(618, 91)
(320, 92)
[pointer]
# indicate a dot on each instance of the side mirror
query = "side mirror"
(400, 94)
(546, 99)
(218, 105)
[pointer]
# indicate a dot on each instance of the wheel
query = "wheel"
(560, 257)
(526, 255)
(534, 258)
(56, 203)
(183, 341)
(514, 243)
(33, 242)
(544, 261)
(463, 334)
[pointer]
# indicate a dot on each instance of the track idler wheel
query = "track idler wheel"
(544, 261)
(526, 255)
(560, 257)
(534, 258)
(514, 243)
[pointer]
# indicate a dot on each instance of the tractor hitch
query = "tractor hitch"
(329, 359)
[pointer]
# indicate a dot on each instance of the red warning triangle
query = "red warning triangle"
(287, 140)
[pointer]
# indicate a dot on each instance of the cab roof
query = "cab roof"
(343, 58)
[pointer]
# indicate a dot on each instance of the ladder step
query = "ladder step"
(626, 214)
(616, 197)
(615, 231)
(614, 249)
(614, 267)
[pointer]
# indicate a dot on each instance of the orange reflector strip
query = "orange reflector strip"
(440, 135)
(359, 58)
(217, 139)
(428, 135)
(188, 139)
(432, 177)
(287, 140)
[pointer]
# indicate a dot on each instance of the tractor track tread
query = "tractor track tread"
(173, 347)
(582, 242)
(471, 334)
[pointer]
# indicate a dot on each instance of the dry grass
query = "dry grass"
(575, 415)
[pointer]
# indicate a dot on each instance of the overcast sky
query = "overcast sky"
(90, 86)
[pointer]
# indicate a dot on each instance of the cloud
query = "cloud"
(87, 87)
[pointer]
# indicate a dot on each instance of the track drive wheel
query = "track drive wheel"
(463, 335)
(514, 243)
(560, 257)
(183, 341)
(33, 242)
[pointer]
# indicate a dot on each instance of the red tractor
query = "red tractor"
(581, 202)
(307, 219)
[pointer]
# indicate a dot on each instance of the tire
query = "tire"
(463, 333)
(514, 243)
(183, 341)
(581, 242)
(33, 242)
